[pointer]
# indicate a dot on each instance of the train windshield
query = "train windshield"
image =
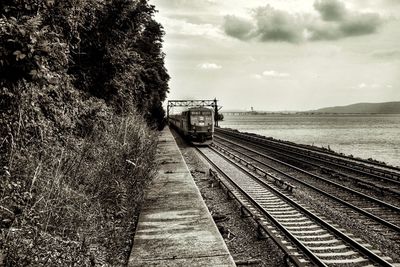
(201, 117)
(202, 112)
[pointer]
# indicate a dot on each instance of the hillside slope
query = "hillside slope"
(377, 108)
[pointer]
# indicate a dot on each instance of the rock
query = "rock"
(219, 218)
(2, 259)
(6, 223)
(223, 230)
(248, 262)
(17, 209)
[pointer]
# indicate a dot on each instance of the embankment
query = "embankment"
(81, 88)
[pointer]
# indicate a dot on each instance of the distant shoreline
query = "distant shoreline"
(385, 108)
(238, 113)
(362, 135)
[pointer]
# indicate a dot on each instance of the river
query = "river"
(364, 136)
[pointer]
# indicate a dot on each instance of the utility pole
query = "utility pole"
(216, 111)
(168, 111)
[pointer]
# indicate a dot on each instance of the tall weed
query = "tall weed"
(75, 204)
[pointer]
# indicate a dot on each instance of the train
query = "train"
(196, 124)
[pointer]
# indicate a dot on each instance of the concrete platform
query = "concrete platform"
(175, 227)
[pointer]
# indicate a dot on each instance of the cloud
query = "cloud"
(238, 27)
(330, 10)
(371, 86)
(272, 73)
(276, 25)
(181, 27)
(191, 18)
(339, 22)
(362, 85)
(393, 53)
(209, 66)
(256, 76)
(355, 25)
(334, 22)
(360, 24)
(186, 4)
(266, 24)
(321, 30)
(386, 4)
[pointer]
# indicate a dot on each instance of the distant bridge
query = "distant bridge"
(247, 113)
(239, 113)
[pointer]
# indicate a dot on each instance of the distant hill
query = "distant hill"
(377, 108)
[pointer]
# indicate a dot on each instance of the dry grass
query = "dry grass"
(75, 205)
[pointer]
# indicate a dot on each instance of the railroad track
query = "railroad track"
(305, 236)
(379, 172)
(373, 184)
(383, 216)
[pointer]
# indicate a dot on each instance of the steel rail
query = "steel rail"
(382, 189)
(360, 210)
(278, 145)
(344, 166)
(378, 201)
(332, 155)
(276, 239)
(298, 243)
(365, 251)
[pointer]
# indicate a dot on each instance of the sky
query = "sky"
(277, 55)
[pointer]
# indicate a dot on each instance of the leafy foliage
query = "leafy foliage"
(109, 49)
(73, 72)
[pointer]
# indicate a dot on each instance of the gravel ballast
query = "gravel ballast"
(240, 234)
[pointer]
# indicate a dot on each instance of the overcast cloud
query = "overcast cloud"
(282, 55)
(334, 21)
(331, 10)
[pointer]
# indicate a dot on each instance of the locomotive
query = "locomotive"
(195, 124)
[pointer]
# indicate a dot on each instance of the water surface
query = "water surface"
(364, 136)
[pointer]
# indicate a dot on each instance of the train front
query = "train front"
(201, 121)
